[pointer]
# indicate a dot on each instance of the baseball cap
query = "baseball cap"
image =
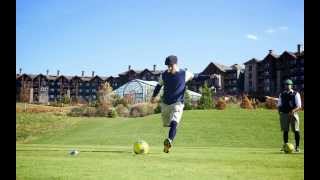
(172, 59)
(288, 81)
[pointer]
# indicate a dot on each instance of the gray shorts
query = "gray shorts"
(286, 121)
(172, 112)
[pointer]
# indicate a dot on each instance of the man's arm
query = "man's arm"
(298, 103)
(157, 89)
(197, 77)
(279, 104)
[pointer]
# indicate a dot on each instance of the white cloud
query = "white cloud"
(252, 37)
(283, 28)
(270, 30)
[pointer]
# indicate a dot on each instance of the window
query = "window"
(87, 84)
(250, 75)
(51, 96)
(250, 68)
(80, 90)
(93, 90)
(87, 90)
(52, 90)
(267, 88)
(52, 83)
(94, 97)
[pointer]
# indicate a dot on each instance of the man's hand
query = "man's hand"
(272, 98)
(153, 100)
(290, 114)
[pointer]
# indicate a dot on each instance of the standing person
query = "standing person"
(289, 103)
(174, 82)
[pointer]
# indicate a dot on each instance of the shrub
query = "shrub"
(118, 100)
(141, 109)
(221, 104)
(90, 111)
(271, 104)
(261, 105)
(93, 104)
(65, 100)
(112, 113)
(234, 100)
(246, 103)
(157, 110)
(103, 110)
(187, 101)
(77, 111)
(206, 101)
(122, 110)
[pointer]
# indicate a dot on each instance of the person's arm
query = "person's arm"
(298, 103)
(197, 77)
(279, 104)
(279, 101)
(157, 89)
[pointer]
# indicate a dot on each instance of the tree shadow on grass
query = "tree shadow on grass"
(102, 151)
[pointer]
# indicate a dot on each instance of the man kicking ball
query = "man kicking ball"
(174, 82)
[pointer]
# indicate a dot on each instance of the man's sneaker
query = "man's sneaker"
(167, 145)
(297, 149)
(283, 146)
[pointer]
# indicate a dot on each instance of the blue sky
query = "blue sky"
(106, 36)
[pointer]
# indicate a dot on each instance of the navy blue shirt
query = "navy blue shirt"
(175, 85)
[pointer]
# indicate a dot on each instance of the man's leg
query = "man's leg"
(285, 137)
(295, 127)
(176, 115)
(173, 130)
(297, 138)
(284, 123)
(172, 133)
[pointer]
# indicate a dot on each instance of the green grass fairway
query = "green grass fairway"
(229, 144)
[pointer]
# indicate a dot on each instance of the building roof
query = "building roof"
(251, 61)
(85, 78)
(237, 67)
(222, 67)
(151, 83)
(131, 70)
(292, 54)
(140, 71)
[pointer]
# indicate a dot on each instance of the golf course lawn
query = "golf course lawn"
(210, 144)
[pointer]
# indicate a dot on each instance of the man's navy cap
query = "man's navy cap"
(172, 59)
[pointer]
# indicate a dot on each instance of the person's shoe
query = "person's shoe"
(297, 149)
(167, 144)
(283, 146)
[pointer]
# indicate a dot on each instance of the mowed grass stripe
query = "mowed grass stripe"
(231, 127)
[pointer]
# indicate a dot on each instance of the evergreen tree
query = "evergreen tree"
(206, 101)
(187, 101)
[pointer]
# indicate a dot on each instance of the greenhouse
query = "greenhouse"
(138, 91)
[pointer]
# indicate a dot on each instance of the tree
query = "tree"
(187, 101)
(206, 101)
(105, 95)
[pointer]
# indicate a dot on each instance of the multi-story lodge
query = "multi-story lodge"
(48, 88)
(228, 80)
(259, 77)
(266, 77)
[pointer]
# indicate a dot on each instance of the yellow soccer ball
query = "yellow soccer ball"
(141, 147)
(288, 148)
